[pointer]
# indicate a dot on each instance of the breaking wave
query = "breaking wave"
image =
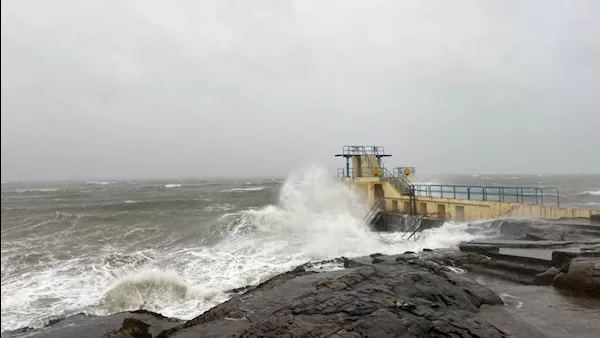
(154, 290)
(590, 192)
(37, 190)
(243, 189)
(190, 270)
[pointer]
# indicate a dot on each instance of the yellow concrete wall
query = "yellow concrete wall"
(370, 161)
(473, 209)
(363, 165)
(483, 210)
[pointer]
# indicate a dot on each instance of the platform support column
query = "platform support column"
(347, 167)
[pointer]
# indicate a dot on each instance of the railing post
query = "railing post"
(522, 198)
(347, 167)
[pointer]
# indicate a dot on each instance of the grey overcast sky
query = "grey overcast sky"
(140, 89)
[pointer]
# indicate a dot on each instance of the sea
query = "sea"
(177, 246)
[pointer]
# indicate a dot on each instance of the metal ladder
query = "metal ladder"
(372, 214)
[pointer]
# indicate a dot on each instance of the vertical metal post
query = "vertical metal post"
(347, 166)
(469, 192)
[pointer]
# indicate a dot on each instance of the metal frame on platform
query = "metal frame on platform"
(534, 195)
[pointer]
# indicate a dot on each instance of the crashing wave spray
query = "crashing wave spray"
(152, 289)
(321, 214)
(316, 218)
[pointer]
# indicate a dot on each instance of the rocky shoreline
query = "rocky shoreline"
(423, 294)
(375, 296)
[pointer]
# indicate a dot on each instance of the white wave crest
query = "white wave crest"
(173, 185)
(37, 190)
(100, 182)
(219, 207)
(243, 189)
(154, 290)
(590, 192)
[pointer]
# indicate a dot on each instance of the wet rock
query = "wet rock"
(350, 263)
(479, 248)
(57, 320)
(546, 277)
(513, 228)
(405, 305)
(17, 332)
(82, 325)
(552, 230)
(470, 259)
(406, 257)
(427, 250)
(380, 300)
(583, 276)
(299, 269)
(131, 328)
(591, 248)
(378, 260)
(240, 289)
(561, 258)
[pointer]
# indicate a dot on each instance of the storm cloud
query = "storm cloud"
(140, 89)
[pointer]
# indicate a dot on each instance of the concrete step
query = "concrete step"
(517, 258)
(521, 261)
(533, 244)
(512, 276)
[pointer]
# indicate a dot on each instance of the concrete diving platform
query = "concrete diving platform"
(394, 190)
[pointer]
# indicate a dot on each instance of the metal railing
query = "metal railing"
(400, 170)
(532, 195)
(363, 150)
(399, 181)
(376, 208)
(419, 222)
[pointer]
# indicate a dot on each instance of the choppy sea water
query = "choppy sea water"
(175, 247)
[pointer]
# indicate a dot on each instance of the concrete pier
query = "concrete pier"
(394, 190)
